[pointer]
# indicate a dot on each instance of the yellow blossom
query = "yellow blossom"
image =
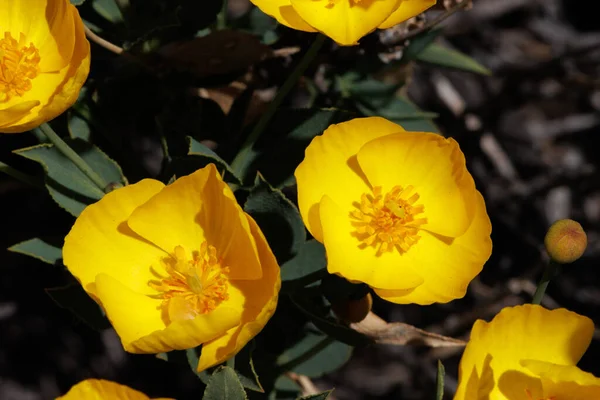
(176, 266)
(528, 353)
(345, 21)
(44, 61)
(396, 210)
(100, 389)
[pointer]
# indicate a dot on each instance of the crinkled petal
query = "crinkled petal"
(138, 321)
(101, 242)
(196, 208)
(345, 21)
(447, 266)
(284, 13)
(330, 167)
(406, 10)
(261, 301)
(527, 332)
(346, 258)
(100, 389)
(434, 166)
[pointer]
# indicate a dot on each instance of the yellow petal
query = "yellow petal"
(330, 167)
(345, 21)
(406, 10)
(284, 13)
(9, 116)
(527, 332)
(447, 267)
(196, 208)
(100, 389)
(434, 166)
(261, 301)
(138, 322)
(390, 270)
(101, 242)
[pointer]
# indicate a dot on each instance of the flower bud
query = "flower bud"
(565, 241)
(352, 311)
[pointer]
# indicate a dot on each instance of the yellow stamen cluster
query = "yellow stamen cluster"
(19, 64)
(388, 221)
(197, 286)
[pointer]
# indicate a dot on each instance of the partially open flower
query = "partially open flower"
(528, 353)
(565, 241)
(353, 310)
(44, 61)
(100, 389)
(345, 21)
(396, 210)
(176, 266)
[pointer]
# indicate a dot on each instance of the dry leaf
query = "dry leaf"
(401, 334)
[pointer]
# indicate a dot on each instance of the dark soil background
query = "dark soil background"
(531, 136)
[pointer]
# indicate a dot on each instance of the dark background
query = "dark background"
(530, 134)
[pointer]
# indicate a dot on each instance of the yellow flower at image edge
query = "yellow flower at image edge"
(396, 210)
(100, 389)
(345, 21)
(176, 266)
(528, 353)
(44, 61)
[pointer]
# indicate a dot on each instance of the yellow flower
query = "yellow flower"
(396, 210)
(345, 21)
(528, 353)
(176, 266)
(100, 389)
(44, 61)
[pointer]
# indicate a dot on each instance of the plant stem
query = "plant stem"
(74, 157)
(222, 16)
(550, 272)
(244, 158)
(18, 175)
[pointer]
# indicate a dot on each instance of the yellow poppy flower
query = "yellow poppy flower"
(345, 21)
(396, 210)
(528, 353)
(176, 266)
(44, 61)
(100, 389)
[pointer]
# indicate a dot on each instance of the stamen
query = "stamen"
(388, 222)
(19, 64)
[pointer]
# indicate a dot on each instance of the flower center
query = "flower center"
(19, 64)
(191, 287)
(388, 221)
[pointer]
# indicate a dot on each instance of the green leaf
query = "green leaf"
(74, 298)
(315, 355)
(373, 93)
(278, 218)
(318, 396)
(403, 112)
(224, 385)
(108, 9)
(203, 156)
(79, 127)
(77, 2)
(188, 357)
(68, 186)
(445, 57)
(419, 43)
(39, 249)
(244, 367)
(285, 389)
(441, 373)
(307, 266)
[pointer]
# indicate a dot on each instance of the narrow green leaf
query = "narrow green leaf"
(108, 9)
(278, 218)
(315, 355)
(439, 55)
(441, 373)
(307, 266)
(419, 43)
(205, 156)
(318, 396)
(68, 186)
(76, 300)
(224, 385)
(39, 249)
(79, 127)
(77, 2)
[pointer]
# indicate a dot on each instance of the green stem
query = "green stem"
(18, 175)
(550, 272)
(74, 157)
(244, 158)
(222, 16)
